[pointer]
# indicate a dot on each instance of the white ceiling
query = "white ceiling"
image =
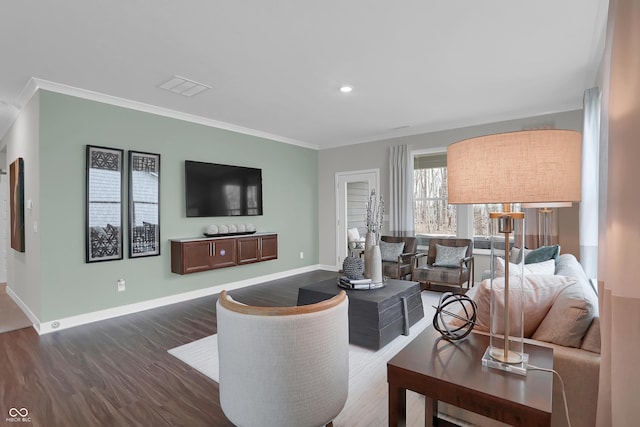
(275, 66)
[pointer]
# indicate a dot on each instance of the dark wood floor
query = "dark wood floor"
(117, 372)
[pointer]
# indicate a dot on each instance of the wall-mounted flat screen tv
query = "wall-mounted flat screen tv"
(222, 190)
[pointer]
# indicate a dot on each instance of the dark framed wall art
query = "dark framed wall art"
(16, 197)
(144, 204)
(104, 203)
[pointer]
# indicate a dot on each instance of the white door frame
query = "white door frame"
(372, 177)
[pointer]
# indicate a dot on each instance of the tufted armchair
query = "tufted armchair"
(455, 271)
(283, 366)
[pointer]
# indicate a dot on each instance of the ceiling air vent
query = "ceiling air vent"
(183, 86)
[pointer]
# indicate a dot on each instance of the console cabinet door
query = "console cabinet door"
(269, 247)
(223, 253)
(195, 256)
(256, 249)
(248, 250)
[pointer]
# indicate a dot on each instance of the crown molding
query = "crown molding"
(36, 83)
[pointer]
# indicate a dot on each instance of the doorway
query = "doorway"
(352, 194)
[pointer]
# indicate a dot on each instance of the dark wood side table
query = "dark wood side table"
(376, 316)
(453, 373)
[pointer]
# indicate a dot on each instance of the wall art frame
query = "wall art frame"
(144, 204)
(16, 201)
(104, 217)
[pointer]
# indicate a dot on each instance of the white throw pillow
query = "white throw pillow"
(516, 254)
(545, 267)
(538, 295)
(353, 235)
(449, 256)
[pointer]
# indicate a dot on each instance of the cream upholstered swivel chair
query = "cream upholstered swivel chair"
(283, 366)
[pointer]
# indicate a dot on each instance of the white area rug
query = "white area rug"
(368, 393)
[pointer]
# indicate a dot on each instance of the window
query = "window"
(432, 213)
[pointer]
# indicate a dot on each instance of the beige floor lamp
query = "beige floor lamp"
(534, 166)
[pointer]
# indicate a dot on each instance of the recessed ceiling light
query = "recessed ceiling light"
(346, 89)
(183, 86)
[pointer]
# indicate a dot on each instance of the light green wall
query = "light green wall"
(71, 287)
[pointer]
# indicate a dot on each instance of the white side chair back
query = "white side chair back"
(283, 366)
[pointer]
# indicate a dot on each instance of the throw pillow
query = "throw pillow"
(543, 253)
(570, 317)
(538, 295)
(353, 234)
(516, 254)
(546, 267)
(391, 251)
(449, 256)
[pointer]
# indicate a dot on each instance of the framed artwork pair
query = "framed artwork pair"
(105, 204)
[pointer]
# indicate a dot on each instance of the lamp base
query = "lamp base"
(518, 361)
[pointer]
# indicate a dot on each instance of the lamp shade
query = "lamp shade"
(532, 166)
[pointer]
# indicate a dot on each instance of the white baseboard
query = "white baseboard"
(83, 319)
(23, 307)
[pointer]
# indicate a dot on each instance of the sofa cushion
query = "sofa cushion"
(539, 293)
(391, 251)
(574, 310)
(543, 253)
(569, 318)
(546, 267)
(449, 256)
(591, 341)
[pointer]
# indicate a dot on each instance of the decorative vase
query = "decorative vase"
(376, 264)
(353, 267)
(368, 243)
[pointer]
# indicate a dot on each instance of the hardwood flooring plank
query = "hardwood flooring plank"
(117, 372)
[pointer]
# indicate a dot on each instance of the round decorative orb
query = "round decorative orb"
(241, 228)
(250, 227)
(455, 316)
(232, 228)
(353, 267)
(223, 229)
(212, 229)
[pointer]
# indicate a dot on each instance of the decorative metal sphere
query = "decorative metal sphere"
(455, 316)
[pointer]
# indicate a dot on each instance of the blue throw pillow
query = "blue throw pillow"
(543, 253)
(391, 251)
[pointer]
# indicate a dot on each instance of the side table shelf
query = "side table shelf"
(193, 255)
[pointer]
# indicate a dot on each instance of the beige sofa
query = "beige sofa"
(572, 329)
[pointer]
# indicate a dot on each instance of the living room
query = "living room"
(55, 122)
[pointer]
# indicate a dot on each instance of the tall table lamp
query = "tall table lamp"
(533, 166)
(545, 211)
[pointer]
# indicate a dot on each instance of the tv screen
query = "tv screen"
(222, 190)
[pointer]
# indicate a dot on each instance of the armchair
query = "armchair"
(283, 366)
(397, 259)
(449, 267)
(355, 242)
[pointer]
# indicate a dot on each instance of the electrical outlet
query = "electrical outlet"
(121, 285)
(301, 255)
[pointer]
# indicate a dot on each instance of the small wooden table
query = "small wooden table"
(453, 373)
(376, 316)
